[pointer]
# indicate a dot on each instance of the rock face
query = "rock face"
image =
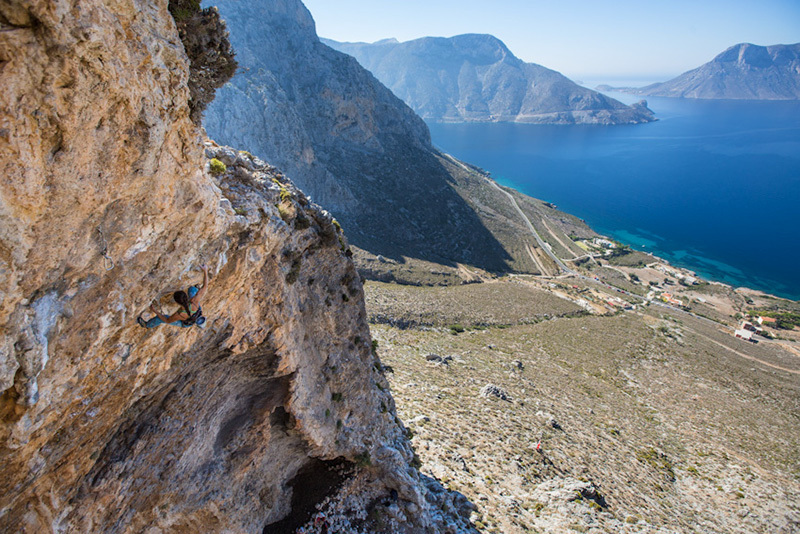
(107, 202)
(475, 77)
(742, 72)
(344, 138)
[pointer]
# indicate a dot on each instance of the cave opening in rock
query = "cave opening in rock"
(312, 483)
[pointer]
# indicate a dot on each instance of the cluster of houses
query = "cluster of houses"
(668, 298)
(675, 273)
(613, 303)
(747, 328)
(593, 300)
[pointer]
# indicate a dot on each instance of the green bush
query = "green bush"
(182, 10)
(284, 213)
(217, 167)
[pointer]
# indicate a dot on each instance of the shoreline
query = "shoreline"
(699, 271)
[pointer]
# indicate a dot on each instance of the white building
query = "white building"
(747, 335)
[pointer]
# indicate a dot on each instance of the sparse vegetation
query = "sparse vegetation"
(285, 212)
(217, 167)
(614, 384)
(363, 459)
(182, 10)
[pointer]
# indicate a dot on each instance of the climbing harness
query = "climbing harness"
(104, 251)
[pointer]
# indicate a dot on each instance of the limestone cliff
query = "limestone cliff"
(106, 203)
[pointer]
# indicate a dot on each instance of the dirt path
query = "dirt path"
(746, 356)
(552, 233)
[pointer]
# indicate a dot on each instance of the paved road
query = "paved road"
(533, 231)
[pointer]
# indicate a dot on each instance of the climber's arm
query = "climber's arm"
(197, 298)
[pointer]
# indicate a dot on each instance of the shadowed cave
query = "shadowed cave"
(312, 483)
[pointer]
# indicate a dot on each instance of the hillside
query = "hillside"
(112, 198)
(476, 78)
(358, 150)
(742, 72)
(649, 420)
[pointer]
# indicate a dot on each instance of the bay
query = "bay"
(713, 186)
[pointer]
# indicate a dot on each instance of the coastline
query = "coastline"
(690, 177)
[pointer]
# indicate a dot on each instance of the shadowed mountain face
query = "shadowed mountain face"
(476, 78)
(743, 72)
(344, 138)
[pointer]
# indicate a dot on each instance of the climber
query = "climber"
(190, 313)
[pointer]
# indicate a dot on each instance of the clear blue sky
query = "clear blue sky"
(584, 39)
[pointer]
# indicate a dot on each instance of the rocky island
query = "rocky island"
(476, 78)
(742, 72)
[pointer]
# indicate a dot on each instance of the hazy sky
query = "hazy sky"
(584, 39)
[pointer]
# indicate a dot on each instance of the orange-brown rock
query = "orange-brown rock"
(107, 202)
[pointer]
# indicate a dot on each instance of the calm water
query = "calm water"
(713, 186)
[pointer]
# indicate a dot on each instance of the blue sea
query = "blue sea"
(713, 186)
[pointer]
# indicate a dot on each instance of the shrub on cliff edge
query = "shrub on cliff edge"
(211, 58)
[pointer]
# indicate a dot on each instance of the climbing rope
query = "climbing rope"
(107, 261)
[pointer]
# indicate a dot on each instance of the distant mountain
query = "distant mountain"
(742, 72)
(475, 77)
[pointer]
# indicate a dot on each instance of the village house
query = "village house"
(604, 243)
(669, 299)
(746, 335)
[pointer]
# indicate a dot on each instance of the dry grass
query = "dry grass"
(502, 302)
